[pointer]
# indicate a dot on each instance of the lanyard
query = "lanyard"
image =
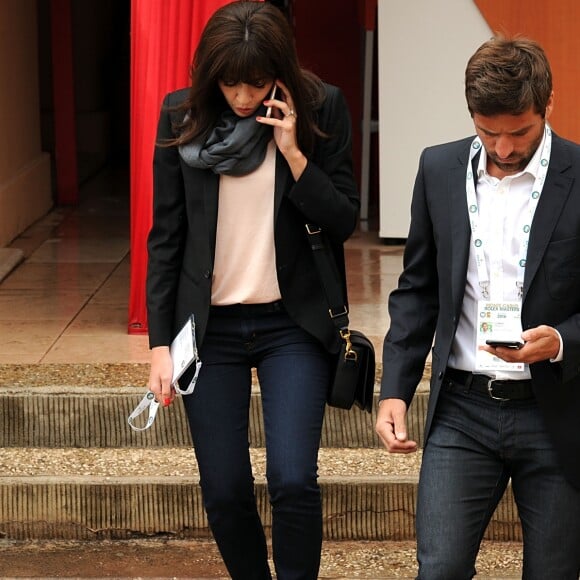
(191, 385)
(148, 402)
(476, 237)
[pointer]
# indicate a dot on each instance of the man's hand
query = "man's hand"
(540, 343)
(391, 426)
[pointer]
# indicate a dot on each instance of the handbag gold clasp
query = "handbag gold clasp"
(349, 353)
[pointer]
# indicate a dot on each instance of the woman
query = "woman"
(234, 188)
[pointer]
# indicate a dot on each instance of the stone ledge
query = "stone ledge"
(376, 508)
(105, 464)
(78, 416)
(86, 405)
(102, 375)
(96, 375)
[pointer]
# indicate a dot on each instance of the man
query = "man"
(495, 234)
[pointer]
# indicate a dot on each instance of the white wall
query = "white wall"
(423, 47)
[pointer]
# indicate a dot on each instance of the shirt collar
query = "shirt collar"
(532, 168)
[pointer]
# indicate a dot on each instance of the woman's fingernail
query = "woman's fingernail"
(167, 402)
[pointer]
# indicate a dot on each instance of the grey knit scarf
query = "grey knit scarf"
(236, 145)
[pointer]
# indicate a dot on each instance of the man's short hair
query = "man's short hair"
(508, 76)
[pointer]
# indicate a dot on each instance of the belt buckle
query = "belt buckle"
(490, 391)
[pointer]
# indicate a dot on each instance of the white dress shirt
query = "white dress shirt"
(503, 212)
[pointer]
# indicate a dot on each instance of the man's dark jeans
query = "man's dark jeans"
(477, 444)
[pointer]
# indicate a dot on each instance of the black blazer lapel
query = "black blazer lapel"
(460, 229)
(554, 195)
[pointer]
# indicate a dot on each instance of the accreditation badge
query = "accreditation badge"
(497, 321)
(183, 350)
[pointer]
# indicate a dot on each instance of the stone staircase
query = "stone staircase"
(72, 469)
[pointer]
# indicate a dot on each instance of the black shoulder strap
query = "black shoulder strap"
(328, 273)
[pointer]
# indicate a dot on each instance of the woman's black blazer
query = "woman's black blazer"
(181, 242)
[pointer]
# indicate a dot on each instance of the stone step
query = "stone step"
(86, 405)
(88, 494)
(94, 416)
(175, 559)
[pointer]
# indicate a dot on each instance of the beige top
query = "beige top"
(245, 259)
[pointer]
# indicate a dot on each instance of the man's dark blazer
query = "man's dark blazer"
(181, 243)
(430, 293)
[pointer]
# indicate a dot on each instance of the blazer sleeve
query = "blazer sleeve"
(414, 304)
(326, 192)
(166, 237)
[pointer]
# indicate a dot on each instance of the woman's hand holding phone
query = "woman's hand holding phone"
(284, 128)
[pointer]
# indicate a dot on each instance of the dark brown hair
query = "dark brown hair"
(247, 41)
(508, 76)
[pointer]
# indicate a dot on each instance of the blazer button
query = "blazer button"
(207, 274)
(440, 375)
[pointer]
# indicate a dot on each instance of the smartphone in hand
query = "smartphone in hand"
(516, 344)
(272, 96)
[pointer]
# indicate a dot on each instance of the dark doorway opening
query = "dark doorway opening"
(101, 70)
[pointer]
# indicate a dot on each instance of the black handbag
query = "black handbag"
(354, 378)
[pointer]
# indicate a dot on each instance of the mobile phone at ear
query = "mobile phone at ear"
(272, 95)
(516, 344)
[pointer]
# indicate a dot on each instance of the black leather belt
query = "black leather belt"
(501, 390)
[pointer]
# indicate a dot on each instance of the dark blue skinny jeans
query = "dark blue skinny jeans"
(476, 446)
(293, 372)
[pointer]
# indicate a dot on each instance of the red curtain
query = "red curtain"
(164, 34)
(368, 13)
